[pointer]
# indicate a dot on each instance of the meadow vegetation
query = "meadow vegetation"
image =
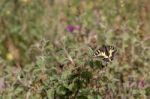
(46, 49)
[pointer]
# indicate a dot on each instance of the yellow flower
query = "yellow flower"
(9, 56)
(25, 1)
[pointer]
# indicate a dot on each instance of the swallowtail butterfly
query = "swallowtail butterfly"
(106, 53)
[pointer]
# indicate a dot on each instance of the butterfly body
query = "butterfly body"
(106, 52)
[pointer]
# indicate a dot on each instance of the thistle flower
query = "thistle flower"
(70, 28)
(141, 84)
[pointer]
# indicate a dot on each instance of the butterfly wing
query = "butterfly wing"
(112, 52)
(105, 52)
(101, 53)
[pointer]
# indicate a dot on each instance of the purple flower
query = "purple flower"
(141, 84)
(70, 28)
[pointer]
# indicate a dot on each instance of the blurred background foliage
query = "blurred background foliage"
(46, 48)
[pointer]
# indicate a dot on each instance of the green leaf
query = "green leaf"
(86, 75)
(147, 91)
(61, 90)
(50, 94)
(72, 87)
(66, 74)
